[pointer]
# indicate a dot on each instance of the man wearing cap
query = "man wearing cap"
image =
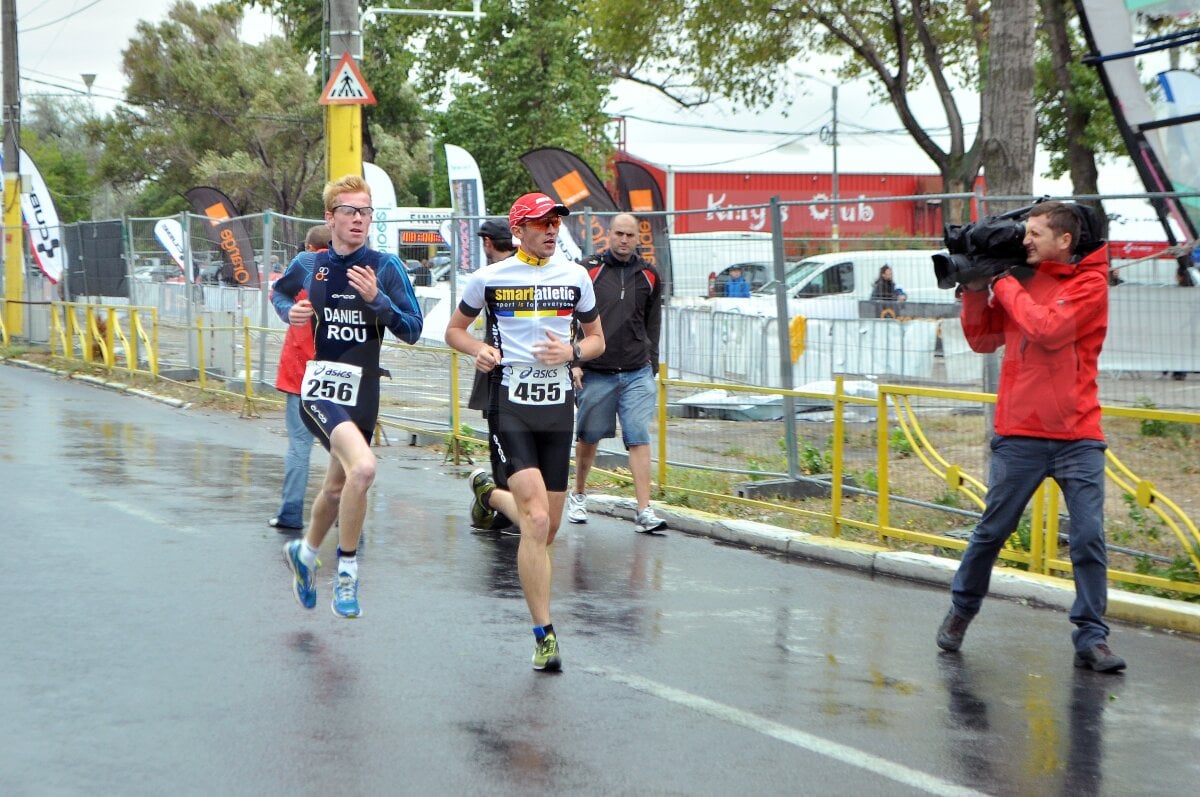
(531, 299)
(496, 236)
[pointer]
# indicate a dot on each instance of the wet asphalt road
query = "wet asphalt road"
(151, 645)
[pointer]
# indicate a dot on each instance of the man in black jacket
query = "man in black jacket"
(621, 381)
(496, 236)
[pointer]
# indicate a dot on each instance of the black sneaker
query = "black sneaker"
(950, 632)
(1099, 658)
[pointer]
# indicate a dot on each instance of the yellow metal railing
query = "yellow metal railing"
(105, 332)
(99, 332)
(1042, 555)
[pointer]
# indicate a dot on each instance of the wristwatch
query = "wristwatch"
(578, 352)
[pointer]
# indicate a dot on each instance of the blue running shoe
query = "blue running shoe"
(304, 585)
(345, 596)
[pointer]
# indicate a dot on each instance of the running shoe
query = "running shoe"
(646, 521)
(545, 654)
(304, 585)
(481, 516)
(577, 507)
(345, 596)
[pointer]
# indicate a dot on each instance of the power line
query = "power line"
(858, 130)
(60, 19)
(187, 110)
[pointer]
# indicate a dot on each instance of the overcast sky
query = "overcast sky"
(60, 40)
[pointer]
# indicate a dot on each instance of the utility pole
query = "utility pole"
(343, 123)
(14, 239)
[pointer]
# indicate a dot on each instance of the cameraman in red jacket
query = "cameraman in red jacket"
(1051, 324)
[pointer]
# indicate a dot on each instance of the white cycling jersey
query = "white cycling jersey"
(526, 297)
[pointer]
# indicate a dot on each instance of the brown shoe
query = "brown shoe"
(1099, 658)
(950, 632)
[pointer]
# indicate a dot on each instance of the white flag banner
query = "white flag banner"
(383, 190)
(466, 198)
(169, 233)
(45, 233)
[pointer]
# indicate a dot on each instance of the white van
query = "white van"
(697, 258)
(852, 275)
(831, 285)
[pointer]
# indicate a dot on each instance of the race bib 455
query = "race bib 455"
(537, 384)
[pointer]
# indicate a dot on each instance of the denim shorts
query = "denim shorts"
(627, 394)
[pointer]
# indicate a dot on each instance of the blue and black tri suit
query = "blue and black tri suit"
(349, 330)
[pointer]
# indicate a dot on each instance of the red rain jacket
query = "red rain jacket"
(1052, 326)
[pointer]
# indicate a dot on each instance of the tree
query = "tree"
(1007, 127)
(54, 136)
(523, 77)
(396, 128)
(742, 49)
(1076, 125)
(204, 107)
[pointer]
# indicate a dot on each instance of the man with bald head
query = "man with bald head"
(620, 382)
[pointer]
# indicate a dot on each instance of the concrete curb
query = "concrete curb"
(94, 380)
(1006, 582)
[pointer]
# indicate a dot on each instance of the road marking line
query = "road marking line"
(839, 752)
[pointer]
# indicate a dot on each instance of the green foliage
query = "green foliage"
(1145, 524)
(1086, 97)
(54, 133)
(949, 497)
(204, 108)
(814, 460)
(898, 442)
(746, 50)
(1181, 568)
(869, 479)
(523, 77)
(694, 479)
(67, 174)
(468, 443)
(1152, 427)
(1022, 538)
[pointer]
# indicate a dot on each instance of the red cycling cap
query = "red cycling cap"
(534, 206)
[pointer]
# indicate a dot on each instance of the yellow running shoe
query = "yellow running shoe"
(545, 654)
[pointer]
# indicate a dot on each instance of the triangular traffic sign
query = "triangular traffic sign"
(346, 85)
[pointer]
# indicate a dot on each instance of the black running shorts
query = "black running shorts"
(523, 436)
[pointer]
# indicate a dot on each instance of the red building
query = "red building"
(702, 201)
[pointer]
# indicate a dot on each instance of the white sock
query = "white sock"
(308, 554)
(348, 565)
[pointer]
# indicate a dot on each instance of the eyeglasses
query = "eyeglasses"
(547, 223)
(350, 210)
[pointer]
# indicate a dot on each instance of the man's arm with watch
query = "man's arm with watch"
(591, 345)
(556, 351)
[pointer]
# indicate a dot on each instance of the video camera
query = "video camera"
(981, 250)
(997, 243)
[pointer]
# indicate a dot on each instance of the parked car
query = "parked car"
(210, 274)
(165, 272)
(696, 258)
(757, 274)
(440, 266)
(853, 274)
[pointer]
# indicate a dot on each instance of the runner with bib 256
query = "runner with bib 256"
(355, 294)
